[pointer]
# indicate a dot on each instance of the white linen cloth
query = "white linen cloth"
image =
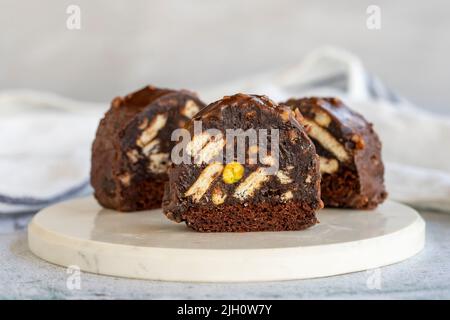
(45, 139)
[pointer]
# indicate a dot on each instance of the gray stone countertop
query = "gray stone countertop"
(424, 276)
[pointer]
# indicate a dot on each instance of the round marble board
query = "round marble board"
(147, 245)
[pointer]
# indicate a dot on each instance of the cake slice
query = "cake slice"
(271, 182)
(349, 150)
(131, 150)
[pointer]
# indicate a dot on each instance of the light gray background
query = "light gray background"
(123, 45)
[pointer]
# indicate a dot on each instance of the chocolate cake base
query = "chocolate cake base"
(343, 191)
(254, 217)
(146, 196)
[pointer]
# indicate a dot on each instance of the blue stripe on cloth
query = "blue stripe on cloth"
(30, 201)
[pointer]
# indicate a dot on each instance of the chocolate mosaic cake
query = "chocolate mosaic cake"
(131, 151)
(349, 150)
(268, 183)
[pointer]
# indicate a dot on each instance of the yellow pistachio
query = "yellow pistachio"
(233, 172)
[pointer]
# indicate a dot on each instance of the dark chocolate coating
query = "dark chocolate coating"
(267, 208)
(359, 180)
(125, 175)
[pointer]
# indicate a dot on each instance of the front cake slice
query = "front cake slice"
(271, 182)
(131, 151)
(349, 150)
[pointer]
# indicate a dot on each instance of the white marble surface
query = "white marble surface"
(426, 276)
(146, 245)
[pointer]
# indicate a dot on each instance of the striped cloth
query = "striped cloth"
(45, 139)
(44, 149)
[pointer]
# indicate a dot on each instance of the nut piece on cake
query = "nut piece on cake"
(349, 151)
(131, 151)
(271, 182)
